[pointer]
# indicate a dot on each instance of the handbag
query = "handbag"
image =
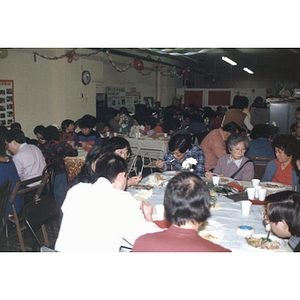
(233, 175)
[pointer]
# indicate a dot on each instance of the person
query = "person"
(102, 217)
(283, 214)
(125, 120)
(39, 132)
(114, 122)
(55, 151)
(180, 149)
(67, 132)
(17, 125)
(173, 127)
(297, 135)
(281, 169)
(235, 165)
(8, 171)
(196, 124)
(28, 159)
(293, 129)
(214, 144)
(105, 130)
(87, 137)
(151, 127)
(297, 113)
(3, 130)
(186, 203)
(137, 126)
(235, 114)
(261, 144)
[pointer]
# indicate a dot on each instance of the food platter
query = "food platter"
(275, 244)
(272, 186)
(225, 180)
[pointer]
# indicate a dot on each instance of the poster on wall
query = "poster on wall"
(121, 96)
(7, 115)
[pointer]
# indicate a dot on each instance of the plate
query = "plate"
(272, 237)
(211, 226)
(173, 173)
(227, 180)
(272, 186)
(258, 202)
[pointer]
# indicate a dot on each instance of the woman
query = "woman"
(235, 165)
(67, 130)
(125, 120)
(261, 144)
(283, 214)
(39, 132)
(281, 169)
(180, 149)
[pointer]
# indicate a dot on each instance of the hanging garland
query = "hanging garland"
(120, 70)
(71, 55)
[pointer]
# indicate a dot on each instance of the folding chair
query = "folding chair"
(260, 164)
(17, 191)
(51, 170)
(40, 214)
(149, 156)
(4, 194)
(131, 161)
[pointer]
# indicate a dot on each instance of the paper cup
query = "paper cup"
(136, 135)
(246, 204)
(255, 182)
(257, 188)
(216, 180)
(160, 212)
(107, 133)
(139, 134)
(251, 193)
(115, 134)
(165, 134)
(262, 194)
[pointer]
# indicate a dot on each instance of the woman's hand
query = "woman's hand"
(85, 145)
(160, 164)
(208, 174)
(142, 132)
(134, 180)
(71, 143)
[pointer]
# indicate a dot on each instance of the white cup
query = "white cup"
(115, 134)
(139, 134)
(251, 193)
(160, 212)
(136, 135)
(165, 134)
(262, 194)
(107, 133)
(246, 205)
(257, 188)
(216, 180)
(255, 182)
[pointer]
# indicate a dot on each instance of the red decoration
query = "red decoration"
(138, 64)
(253, 90)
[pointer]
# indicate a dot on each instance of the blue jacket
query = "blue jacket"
(271, 170)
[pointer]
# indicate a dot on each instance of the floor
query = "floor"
(13, 245)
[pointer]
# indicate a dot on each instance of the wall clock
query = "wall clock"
(86, 77)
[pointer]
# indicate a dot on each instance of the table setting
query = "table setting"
(235, 223)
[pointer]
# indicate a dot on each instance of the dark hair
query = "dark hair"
(3, 130)
(109, 166)
(115, 143)
(295, 157)
(66, 123)
(152, 123)
(2, 146)
(116, 112)
(15, 135)
(285, 206)
(172, 125)
(298, 109)
(236, 138)
(106, 125)
(187, 115)
(293, 127)
(285, 142)
(240, 102)
(124, 110)
(51, 133)
(15, 125)
(232, 127)
(87, 121)
(39, 129)
(180, 142)
(261, 130)
(196, 118)
(186, 198)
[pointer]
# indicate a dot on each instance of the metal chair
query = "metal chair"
(149, 156)
(40, 214)
(19, 219)
(260, 164)
(131, 161)
(4, 194)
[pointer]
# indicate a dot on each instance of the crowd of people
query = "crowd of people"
(228, 139)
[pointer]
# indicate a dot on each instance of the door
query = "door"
(193, 97)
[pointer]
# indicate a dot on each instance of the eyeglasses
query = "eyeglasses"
(122, 153)
(239, 150)
(177, 154)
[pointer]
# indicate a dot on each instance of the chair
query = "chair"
(38, 215)
(17, 191)
(149, 156)
(4, 194)
(260, 164)
(51, 170)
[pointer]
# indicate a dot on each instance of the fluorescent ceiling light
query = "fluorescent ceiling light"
(175, 53)
(161, 52)
(203, 51)
(189, 53)
(248, 71)
(228, 60)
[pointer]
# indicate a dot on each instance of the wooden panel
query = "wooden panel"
(193, 97)
(219, 98)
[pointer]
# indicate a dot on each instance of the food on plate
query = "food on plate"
(143, 195)
(143, 187)
(224, 180)
(209, 237)
(271, 185)
(263, 243)
(159, 177)
(227, 190)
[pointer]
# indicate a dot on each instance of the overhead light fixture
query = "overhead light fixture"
(203, 51)
(175, 53)
(228, 60)
(189, 53)
(248, 71)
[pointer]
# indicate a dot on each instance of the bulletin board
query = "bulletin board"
(7, 112)
(121, 96)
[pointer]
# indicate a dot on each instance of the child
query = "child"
(152, 127)
(283, 214)
(137, 126)
(106, 129)
(67, 132)
(293, 129)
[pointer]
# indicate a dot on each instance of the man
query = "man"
(114, 122)
(186, 203)
(102, 216)
(214, 145)
(28, 159)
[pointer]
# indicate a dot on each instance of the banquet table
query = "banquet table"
(225, 219)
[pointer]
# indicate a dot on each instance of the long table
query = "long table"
(229, 216)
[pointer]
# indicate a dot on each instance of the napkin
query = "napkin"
(216, 207)
(154, 181)
(143, 195)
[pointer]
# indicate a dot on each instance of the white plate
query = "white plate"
(173, 173)
(224, 183)
(272, 237)
(276, 186)
(211, 226)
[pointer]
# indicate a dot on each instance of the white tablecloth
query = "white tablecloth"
(230, 214)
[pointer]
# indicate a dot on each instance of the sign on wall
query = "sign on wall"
(121, 96)
(219, 98)
(7, 115)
